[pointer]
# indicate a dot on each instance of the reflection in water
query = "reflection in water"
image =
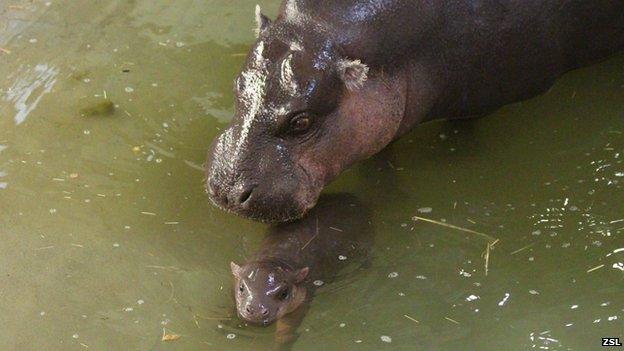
(28, 89)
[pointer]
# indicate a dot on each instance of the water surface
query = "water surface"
(106, 111)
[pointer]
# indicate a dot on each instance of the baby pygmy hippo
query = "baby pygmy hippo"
(297, 257)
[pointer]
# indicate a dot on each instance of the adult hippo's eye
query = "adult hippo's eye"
(300, 123)
(241, 288)
(283, 295)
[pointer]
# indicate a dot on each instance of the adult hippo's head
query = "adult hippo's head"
(304, 113)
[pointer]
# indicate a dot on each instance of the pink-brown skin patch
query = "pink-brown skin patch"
(365, 122)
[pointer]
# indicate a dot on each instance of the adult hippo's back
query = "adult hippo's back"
(329, 83)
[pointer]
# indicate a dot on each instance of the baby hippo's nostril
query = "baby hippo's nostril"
(265, 312)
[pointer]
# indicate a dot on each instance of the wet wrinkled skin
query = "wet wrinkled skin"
(331, 83)
(277, 279)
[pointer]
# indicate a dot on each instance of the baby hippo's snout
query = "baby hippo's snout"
(256, 314)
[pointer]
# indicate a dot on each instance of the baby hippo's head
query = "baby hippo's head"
(266, 291)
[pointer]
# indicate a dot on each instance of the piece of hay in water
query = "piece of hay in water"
(169, 337)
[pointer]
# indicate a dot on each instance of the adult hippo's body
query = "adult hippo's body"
(329, 83)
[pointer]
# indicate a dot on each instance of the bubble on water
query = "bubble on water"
(33, 40)
(619, 266)
(425, 210)
(129, 89)
(358, 341)
(128, 309)
(464, 273)
(472, 298)
(342, 325)
(318, 282)
(115, 244)
(612, 318)
(573, 307)
(75, 336)
(86, 132)
(231, 336)
(342, 257)
(42, 313)
(140, 302)
(386, 338)
(422, 277)
(504, 300)
(393, 275)
(533, 292)
(52, 210)
(180, 44)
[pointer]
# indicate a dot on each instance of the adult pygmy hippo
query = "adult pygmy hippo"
(329, 83)
(280, 277)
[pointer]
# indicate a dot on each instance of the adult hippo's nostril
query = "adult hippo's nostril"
(245, 195)
(265, 312)
(249, 309)
(242, 194)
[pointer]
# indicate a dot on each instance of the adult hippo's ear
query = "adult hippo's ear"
(262, 22)
(236, 270)
(301, 274)
(353, 73)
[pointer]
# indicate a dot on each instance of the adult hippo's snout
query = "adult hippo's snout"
(265, 185)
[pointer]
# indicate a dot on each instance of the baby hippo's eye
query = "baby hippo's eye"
(283, 295)
(300, 123)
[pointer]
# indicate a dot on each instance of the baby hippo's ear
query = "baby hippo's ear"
(353, 73)
(301, 274)
(236, 270)
(262, 22)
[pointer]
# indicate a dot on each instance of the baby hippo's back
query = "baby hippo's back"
(335, 233)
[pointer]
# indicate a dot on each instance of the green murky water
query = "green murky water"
(106, 110)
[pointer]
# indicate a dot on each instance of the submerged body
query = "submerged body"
(295, 258)
(333, 82)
